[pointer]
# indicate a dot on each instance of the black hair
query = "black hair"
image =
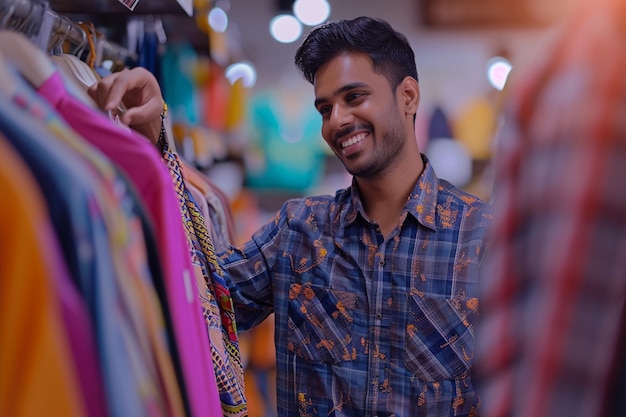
(391, 54)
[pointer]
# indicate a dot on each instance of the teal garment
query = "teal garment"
(287, 151)
(177, 83)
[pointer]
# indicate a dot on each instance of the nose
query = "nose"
(340, 116)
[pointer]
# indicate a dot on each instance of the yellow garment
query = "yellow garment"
(37, 374)
(237, 105)
(475, 128)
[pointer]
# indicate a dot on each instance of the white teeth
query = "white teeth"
(354, 139)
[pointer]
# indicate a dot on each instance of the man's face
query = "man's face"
(361, 119)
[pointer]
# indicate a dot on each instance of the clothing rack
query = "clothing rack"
(40, 23)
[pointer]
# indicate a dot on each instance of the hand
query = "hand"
(138, 91)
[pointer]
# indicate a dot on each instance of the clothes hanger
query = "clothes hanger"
(72, 66)
(80, 46)
(8, 8)
(89, 35)
(59, 36)
(21, 25)
(68, 65)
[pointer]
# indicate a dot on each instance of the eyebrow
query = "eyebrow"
(340, 90)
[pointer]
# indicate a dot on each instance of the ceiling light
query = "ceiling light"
(243, 71)
(311, 12)
(285, 28)
(498, 69)
(218, 20)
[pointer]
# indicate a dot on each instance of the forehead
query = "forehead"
(346, 69)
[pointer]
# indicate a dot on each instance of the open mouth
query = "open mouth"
(352, 140)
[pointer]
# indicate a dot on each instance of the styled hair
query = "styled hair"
(391, 54)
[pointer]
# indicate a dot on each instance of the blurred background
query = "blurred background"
(242, 115)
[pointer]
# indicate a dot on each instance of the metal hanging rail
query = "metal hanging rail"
(45, 28)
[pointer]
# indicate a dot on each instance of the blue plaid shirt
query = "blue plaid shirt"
(367, 326)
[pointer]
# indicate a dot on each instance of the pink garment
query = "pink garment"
(144, 167)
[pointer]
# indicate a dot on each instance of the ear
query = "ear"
(409, 95)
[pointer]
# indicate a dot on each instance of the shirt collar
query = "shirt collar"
(421, 204)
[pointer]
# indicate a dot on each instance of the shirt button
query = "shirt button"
(379, 316)
(382, 262)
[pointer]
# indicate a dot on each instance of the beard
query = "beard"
(387, 151)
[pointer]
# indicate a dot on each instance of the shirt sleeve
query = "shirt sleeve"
(249, 267)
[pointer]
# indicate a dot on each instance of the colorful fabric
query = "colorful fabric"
(554, 293)
(214, 294)
(98, 232)
(368, 326)
(39, 375)
(153, 183)
(219, 214)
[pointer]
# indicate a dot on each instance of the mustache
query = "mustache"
(350, 129)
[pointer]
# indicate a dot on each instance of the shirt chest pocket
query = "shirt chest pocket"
(320, 324)
(439, 338)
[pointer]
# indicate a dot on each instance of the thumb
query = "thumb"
(145, 113)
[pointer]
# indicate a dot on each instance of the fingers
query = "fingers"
(145, 113)
(137, 89)
(109, 91)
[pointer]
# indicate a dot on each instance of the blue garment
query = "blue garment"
(367, 326)
(149, 53)
(70, 189)
(439, 126)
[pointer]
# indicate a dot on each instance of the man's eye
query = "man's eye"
(324, 110)
(353, 96)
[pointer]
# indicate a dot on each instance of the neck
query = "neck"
(385, 196)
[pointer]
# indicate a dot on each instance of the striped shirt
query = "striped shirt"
(367, 326)
(548, 343)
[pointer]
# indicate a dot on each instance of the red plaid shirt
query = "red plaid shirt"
(548, 343)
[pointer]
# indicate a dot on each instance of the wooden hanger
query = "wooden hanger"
(89, 30)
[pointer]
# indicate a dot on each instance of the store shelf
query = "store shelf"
(114, 7)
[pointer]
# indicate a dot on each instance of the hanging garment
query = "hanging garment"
(475, 127)
(154, 184)
(144, 310)
(94, 225)
(439, 125)
(32, 334)
(177, 81)
(286, 151)
(217, 212)
(221, 204)
(215, 296)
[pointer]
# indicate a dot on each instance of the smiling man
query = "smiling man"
(374, 289)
